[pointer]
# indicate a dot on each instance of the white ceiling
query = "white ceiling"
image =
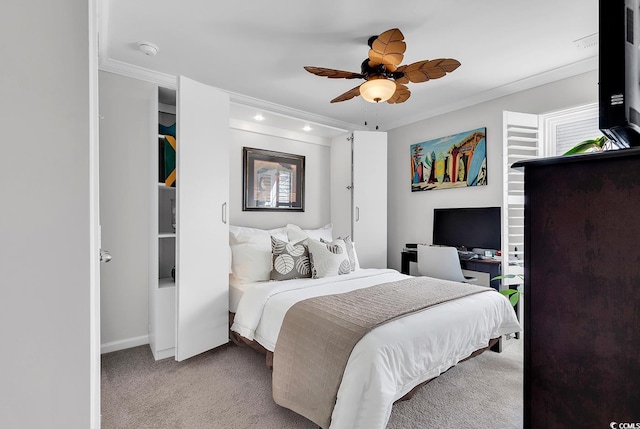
(256, 50)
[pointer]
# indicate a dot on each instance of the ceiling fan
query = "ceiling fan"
(385, 77)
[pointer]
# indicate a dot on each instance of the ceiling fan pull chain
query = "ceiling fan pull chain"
(366, 114)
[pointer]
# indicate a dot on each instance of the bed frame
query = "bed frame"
(241, 341)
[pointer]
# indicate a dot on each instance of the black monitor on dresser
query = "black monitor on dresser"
(467, 228)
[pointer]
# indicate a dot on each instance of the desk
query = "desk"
(489, 266)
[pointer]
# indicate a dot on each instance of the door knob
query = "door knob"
(105, 256)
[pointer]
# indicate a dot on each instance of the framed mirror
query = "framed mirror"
(272, 181)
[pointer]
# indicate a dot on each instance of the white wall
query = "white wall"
(317, 205)
(125, 106)
(45, 224)
(411, 213)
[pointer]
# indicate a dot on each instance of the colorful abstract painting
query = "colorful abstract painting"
(455, 161)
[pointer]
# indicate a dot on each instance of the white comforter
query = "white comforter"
(393, 358)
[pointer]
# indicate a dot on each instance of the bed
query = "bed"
(388, 362)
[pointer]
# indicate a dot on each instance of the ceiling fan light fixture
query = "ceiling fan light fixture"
(377, 90)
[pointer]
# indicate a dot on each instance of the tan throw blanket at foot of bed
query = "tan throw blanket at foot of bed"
(318, 335)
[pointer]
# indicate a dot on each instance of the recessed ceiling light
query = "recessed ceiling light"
(307, 128)
(259, 117)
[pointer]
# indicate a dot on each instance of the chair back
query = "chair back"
(441, 262)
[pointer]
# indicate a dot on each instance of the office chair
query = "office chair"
(441, 262)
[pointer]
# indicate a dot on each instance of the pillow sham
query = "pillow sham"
(251, 252)
(290, 260)
(295, 233)
(328, 259)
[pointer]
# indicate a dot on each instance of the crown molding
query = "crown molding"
(577, 68)
(125, 69)
(170, 81)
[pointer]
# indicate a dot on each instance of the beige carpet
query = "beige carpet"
(230, 388)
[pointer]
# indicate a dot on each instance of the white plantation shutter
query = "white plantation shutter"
(521, 141)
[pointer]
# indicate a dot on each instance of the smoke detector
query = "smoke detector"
(148, 48)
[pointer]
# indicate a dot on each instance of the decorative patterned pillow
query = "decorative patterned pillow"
(351, 252)
(289, 260)
(328, 259)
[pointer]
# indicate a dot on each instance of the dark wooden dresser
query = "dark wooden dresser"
(582, 291)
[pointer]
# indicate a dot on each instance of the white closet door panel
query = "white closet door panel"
(341, 185)
(202, 232)
(370, 198)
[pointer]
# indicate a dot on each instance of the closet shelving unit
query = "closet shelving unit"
(162, 292)
(166, 210)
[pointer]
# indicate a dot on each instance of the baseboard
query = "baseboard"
(127, 343)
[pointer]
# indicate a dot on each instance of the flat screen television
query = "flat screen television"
(467, 228)
(619, 71)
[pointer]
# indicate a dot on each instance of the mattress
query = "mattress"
(236, 290)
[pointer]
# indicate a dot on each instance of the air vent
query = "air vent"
(617, 99)
(587, 42)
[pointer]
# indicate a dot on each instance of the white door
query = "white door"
(202, 268)
(94, 222)
(370, 198)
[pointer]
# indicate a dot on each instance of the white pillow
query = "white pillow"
(296, 234)
(328, 259)
(251, 252)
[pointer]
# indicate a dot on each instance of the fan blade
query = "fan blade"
(332, 73)
(388, 49)
(423, 71)
(353, 92)
(401, 95)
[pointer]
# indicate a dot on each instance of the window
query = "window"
(566, 128)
